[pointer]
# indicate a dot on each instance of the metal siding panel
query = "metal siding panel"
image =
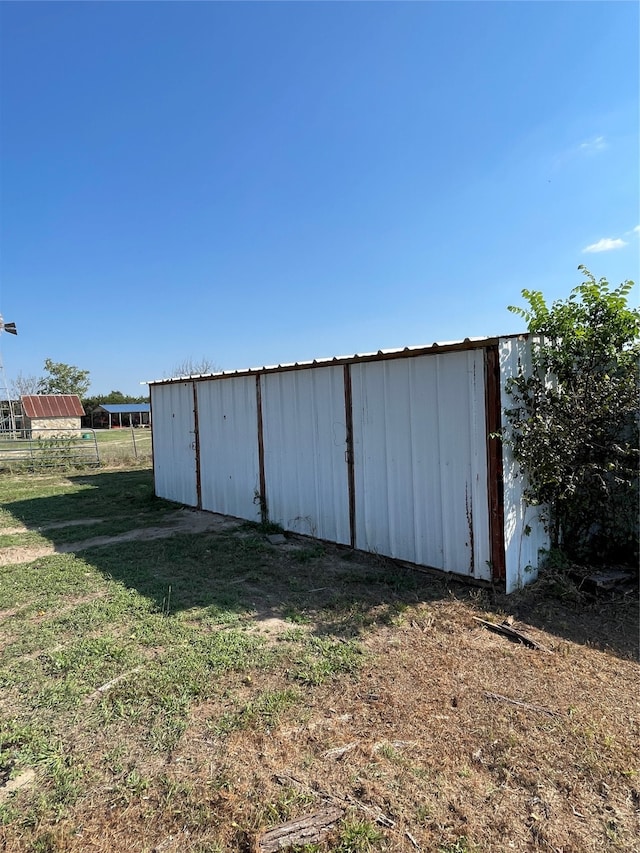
(228, 423)
(304, 449)
(524, 531)
(420, 460)
(174, 463)
(478, 463)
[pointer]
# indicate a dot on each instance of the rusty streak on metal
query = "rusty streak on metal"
(196, 445)
(493, 409)
(351, 483)
(264, 509)
(469, 511)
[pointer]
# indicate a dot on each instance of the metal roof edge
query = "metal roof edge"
(52, 406)
(357, 358)
(124, 408)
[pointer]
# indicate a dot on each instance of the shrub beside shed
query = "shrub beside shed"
(393, 452)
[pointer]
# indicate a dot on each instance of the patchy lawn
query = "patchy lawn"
(192, 688)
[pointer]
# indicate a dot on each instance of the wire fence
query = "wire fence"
(49, 448)
(121, 446)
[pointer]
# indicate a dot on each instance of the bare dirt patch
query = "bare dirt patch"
(53, 525)
(22, 780)
(182, 521)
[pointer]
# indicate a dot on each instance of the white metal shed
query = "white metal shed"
(392, 452)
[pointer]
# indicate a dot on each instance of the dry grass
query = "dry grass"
(349, 682)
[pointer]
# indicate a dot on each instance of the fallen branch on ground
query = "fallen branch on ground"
(110, 684)
(512, 633)
(307, 830)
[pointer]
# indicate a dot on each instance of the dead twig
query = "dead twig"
(499, 698)
(338, 751)
(412, 840)
(377, 815)
(395, 744)
(110, 684)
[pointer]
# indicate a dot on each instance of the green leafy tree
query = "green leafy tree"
(64, 379)
(574, 419)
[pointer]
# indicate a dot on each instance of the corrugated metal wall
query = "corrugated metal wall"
(174, 440)
(304, 452)
(420, 452)
(229, 465)
(390, 454)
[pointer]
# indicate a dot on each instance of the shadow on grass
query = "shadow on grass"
(235, 574)
(227, 574)
(102, 493)
(610, 622)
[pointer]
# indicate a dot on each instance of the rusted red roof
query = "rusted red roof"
(52, 406)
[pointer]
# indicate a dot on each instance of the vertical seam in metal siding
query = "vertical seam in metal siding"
(495, 474)
(412, 384)
(196, 445)
(153, 455)
(264, 508)
(444, 545)
(471, 436)
(391, 526)
(349, 457)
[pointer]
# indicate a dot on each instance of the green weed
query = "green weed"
(263, 712)
(358, 836)
(307, 555)
(293, 614)
(265, 528)
(323, 658)
(285, 806)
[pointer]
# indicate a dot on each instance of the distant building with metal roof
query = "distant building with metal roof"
(135, 414)
(43, 413)
(52, 406)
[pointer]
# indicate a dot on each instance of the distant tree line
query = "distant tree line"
(61, 378)
(112, 398)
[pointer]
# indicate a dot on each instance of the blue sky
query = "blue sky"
(258, 183)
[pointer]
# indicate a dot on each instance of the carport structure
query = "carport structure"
(125, 414)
